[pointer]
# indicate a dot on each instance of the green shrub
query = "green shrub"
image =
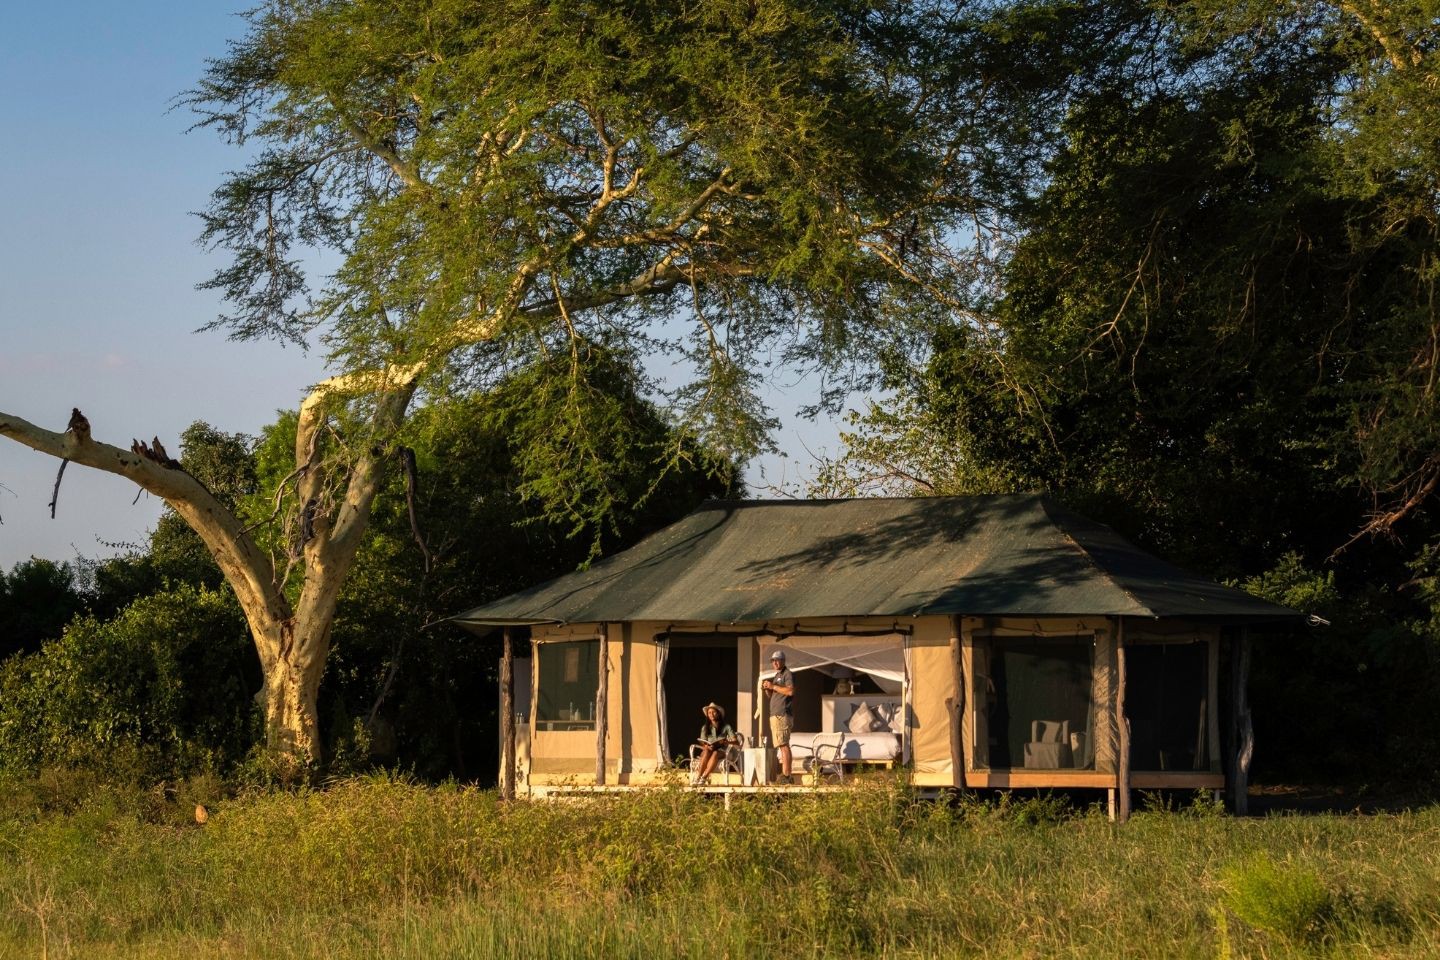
(1032, 810)
(160, 691)
(1284, 899)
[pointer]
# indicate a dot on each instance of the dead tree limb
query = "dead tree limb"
(55, 494)
(407, 457)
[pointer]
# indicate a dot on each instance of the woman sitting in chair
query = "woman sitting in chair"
(715, 737)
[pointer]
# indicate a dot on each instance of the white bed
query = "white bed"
(871, 734)
(874, 747)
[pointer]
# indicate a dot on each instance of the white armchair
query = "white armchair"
(731, 762)
(1049, 746)
(826, 757)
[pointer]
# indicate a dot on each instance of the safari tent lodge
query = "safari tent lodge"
(975, 642)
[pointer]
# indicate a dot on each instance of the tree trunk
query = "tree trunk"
(1122, 765)
(292, 642)
(507, 716)
(292, 718)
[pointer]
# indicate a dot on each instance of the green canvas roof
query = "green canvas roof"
(740, 561)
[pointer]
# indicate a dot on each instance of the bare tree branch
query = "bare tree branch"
(55, 494)
(247, 569)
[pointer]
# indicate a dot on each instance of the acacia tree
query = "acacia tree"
(501, 181)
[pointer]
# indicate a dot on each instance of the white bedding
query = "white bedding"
(855, 746)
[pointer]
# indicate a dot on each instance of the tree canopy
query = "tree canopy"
(1223, 270)
(506, 179)
(37, 599)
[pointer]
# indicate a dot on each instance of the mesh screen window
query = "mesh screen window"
(1165, 699)
(569, 676)
(1040, 708)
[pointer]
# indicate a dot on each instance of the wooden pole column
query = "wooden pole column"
(905, 746)
(1244, 730)
(600, 704)
(1214, 755)
(507, 717)
(1122, 764)
(957, 705)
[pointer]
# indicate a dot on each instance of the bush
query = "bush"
(1287, 900)
(161, 690)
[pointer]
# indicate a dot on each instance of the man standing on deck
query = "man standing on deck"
(781, 688)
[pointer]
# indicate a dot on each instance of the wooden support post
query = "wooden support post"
(1122, 723)
(507, 717)
(1212, 721)
(600, 704)
(1244, 742)
(904, 706)
(957, 706)
(745, 703)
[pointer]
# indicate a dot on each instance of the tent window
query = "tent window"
(1165, 699)
(569, 677)
(1040, 709)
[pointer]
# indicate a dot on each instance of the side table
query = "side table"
(756, 766)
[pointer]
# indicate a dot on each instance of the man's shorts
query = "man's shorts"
(780, 730)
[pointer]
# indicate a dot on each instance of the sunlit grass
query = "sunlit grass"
(379, 867)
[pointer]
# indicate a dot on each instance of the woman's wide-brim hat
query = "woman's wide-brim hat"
(712, 705)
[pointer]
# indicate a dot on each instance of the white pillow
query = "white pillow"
(862, 720)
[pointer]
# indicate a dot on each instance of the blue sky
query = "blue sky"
(98, 266)
(98, 263)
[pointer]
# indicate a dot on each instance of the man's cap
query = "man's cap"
(778, 655)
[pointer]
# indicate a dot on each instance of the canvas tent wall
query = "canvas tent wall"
(921, 653)
(563, 740)
(563, 735)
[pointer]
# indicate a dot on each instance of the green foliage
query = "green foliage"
(1204, 314)
(162, 689)
(532, 177)
(1374, 667)
(892, 450)
(489, 527)
(588, 448)
(1284, 899)
(1165, 317)
(225, 464)
(1292, 584)
(37, 598)
(1215, 331)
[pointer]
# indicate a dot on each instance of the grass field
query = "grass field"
(377, 867)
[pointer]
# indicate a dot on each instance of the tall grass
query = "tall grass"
(380, 867)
